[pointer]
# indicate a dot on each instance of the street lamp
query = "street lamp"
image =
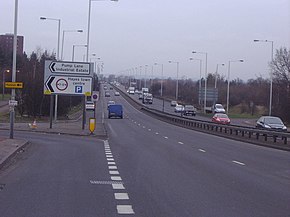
(58, 33)
(216, 73)
(62, 45)
(161, 83)
(176, 89)
(3, 82)
(145, 76)
(89, 22)
(200, 66)
(140, 78)
(57, 57)
(228, 89)
(73, 50)
(271, 73)
(205, 79)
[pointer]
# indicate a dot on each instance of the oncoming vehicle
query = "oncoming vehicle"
(173, 103)
(117, 93)
(179, 109)
(147, 98)
(189, 110)
(90, 105)
(218, 108)
(271, 123)
(115, 111)
(221, 118)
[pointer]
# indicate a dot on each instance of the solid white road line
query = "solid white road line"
(125, 209)
(201, 150)
(121, 196)
(238, 162)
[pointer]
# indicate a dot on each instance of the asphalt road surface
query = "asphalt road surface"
(146, 168)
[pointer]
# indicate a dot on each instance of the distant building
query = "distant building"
(6, 43)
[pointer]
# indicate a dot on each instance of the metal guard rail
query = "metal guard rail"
(275, 139)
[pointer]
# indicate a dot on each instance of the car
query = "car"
(179, 109)
(148, 98)
(111, 88)
(140, 96)
(218, 108)
(90, 105)
(107, 94)
(173, 103)
(221, 118)
(117, 93)
(111, 102)
(271, 123)
(115, 111)
(189, 110)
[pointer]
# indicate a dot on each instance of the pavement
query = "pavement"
(73, 126)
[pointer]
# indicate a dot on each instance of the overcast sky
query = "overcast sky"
(133, 33)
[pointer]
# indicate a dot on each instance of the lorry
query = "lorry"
(115, 110)
(131, 90)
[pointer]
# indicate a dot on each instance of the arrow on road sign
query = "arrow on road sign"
(51, 67)
(48, 83)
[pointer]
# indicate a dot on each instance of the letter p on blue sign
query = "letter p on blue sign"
(78, 89)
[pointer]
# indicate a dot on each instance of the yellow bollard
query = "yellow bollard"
(92, 125)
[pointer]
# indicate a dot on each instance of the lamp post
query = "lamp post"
(228, 89)
(177, 71)
(62, 44)
(140, 78)
(58, 33)
(205, 78)
(216, 73)
(3, 82)
(57, 57)
(73, 50)
(200, 66)
(145, 76)
(89, 23)
(161, 82)
(271, 73)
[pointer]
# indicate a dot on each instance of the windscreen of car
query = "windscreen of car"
(219, 106)
(189, 107)
(222, 116)
(273, 121)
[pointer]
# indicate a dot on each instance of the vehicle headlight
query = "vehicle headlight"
(284, 128)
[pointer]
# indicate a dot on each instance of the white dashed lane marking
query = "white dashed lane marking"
(156, 133)
(181, 143)
(112, 167)
(201, 150)
(121, 196)
(118, 186)
(125, 209)
(116, 178)
(114, 172)
(238, 162)
(165, 137)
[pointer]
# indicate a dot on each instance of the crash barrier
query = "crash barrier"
(280, 140)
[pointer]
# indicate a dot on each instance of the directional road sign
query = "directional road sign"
(73, 85)
(13, 84)
(69, 68)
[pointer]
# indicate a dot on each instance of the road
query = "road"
(146, 168)
(165, 106)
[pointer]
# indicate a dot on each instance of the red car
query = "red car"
(220, 118)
